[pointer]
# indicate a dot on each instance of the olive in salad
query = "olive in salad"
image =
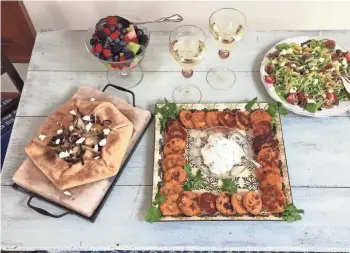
(308, 74)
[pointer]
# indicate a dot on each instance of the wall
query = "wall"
(273, 15)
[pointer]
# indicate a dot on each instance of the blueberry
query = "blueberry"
(92, 42)
(102, 35)
(128, 55)
(101, 23)
(112, 28)
(142, 47)
(117, 40)
(121, 36)
(124, 22)
(119, 26)
(124, 31)
(97, 54)
(101, 57)
(136, 28)
(116, 58)
(117, 49)
(112, 43)
(139, 33)
(109, 59)
(122, 43)
(106, 44)
(125, 49)
(143, 39)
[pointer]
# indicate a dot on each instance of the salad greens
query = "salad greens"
(309, 74)
(166, 111)
(154, 214)
(291, 213)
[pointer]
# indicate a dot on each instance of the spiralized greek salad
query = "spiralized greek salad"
(308, 74)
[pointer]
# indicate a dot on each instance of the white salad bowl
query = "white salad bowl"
(343, 106)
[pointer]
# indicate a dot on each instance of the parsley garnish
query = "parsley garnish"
(249, 105)
(274, 107)
(291, 213)
(193, 181)
(228, 185)
(168, 111)
(154, 213)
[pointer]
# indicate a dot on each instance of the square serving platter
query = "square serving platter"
(245, 181)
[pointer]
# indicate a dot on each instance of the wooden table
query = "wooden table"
(317, 152)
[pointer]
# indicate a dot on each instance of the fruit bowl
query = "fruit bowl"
(205, 138)
(119, 44)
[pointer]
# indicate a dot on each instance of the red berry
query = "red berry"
(329, 44)
(111, 20)
(134, 40)
(93, 49)
(98, 48)
(122, 58)
(107, 53)
(107, 30)
(115, 35)
(347, 56)
(126, 39)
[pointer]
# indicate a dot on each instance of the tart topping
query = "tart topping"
(92, 99)
(42, 137)
(67, 193)
(82, 139)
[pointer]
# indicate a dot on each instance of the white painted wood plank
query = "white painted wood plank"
(44, 91)
(325, 226)
(65, 51)
(317, 151)
(137, 172)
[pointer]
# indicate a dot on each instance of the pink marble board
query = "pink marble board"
(86, 198)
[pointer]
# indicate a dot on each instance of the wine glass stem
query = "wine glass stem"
(187, 73)
(223, 54)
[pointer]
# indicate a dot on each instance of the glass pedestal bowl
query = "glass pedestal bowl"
(126, 73)
(221, 132)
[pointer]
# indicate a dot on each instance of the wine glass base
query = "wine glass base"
(125, 79)
(192, 95)
(221, 78)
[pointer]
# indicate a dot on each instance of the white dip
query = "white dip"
(221, 154)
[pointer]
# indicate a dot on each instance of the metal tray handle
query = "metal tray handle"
(43, 211)
(122, 89)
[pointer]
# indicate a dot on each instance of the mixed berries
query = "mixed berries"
(116, 39)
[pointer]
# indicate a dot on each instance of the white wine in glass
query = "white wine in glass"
(226, 28)
(187, 47)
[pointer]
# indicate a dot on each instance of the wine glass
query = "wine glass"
(226, 27)
(123, 72)
(187, 47)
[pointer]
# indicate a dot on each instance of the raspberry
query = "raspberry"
(115, 35)
(107, 53)
(98, 48)
(107, 31)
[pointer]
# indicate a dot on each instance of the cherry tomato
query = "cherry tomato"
(292, 98)
(332, 100)
(347, 56)
(301, 96)
(270, 79)
(329, 44)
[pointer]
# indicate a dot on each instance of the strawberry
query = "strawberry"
(111, 20)
(107, 31)
(98, 48)
(115, 35)
(107, 53)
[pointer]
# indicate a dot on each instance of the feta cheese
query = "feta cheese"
(324, 95)
(221, 154)
(96, 148)
(330, 91)
(315, 81)
(311, 101)
(63, 154)
(293, 90)
(86, 118)
(59, 131)
(73, 112)
(336, 64)
(321, 59)
(70, 151)
(106, 131)
(283, 52)
(88, 126)
(314, 68)
(71, 128)
(80, 141)
(293, 65)
(97, 157)
(42, 137)
(92, 99)
(67, 193)
(289, 50)
(57, 141)
(102, 142)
